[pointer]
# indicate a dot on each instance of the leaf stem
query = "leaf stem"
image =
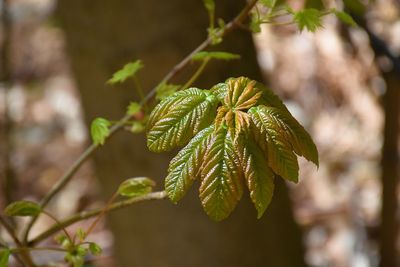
(24, 249)
(89, 214)
(58, 222)
(102, 213)
(196, 74)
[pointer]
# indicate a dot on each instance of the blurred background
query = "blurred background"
(341, 83)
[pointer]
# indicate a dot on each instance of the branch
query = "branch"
(89, 214)
(174, 71)
(10, 230)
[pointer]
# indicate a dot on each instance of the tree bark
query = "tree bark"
(103, 35)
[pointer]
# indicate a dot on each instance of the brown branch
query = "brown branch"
(89, 214)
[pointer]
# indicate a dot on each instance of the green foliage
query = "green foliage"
(23, 208)
(204, 55)
(95, 249)
(184, 167)
(81, 234)
(137, 186)
(4, 257)
(133, 108)
(309, 18)
(99, 130)
(126, 72)
(76, 257)
(210, 5)
(345, 18)
(239, 132)
(179, 117)
(138, 127)
(165, 90)
(268, 3)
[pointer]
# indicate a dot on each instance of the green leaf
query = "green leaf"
(309, 18)
(138, 127)
(81, 234)
(269, 98)
(281, 159)
(75, 260)
(294, 133)
(99, 130)
(259, 177)
(95, 249)
(133, 108)
(23, 208)
(345, 18)
(135, 187)
(63, 241)
(184, 167)
(209, 4)
(4, 257)
(165, 90)
(127, 71)
(242, 93)
(202, 55)
(268, 3)
(221, 176)
(219, 90)
(255, 23)
(179, 117)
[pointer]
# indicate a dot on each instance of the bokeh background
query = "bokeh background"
(341, 83)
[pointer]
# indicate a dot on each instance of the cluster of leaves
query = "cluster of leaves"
(306, 19)
(75, 248)
(237, 132)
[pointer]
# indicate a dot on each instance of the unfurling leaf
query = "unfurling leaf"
(199, 56)
(137, 186)
(309, 18)
(127, 71)
(23, 208)
(242, 94)
(179, 117)
(99, 130)
(4, 257)
(221, 177)
(259, 177)
(95, 249)
(184, 167)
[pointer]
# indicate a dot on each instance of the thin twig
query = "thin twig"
(196, 74)
(229, 27)
(89, 214)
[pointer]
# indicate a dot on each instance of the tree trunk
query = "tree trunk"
(101, 36)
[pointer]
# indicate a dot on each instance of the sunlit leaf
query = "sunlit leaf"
(184, 167)
(309, 18)
(99, 130)
(242, 93)
(221, 176)
(136, 186)
(127, 71)
(259, 177)
(179, 117)
(23, 208)
(137, 127)
(294, 133)
(280, 157)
